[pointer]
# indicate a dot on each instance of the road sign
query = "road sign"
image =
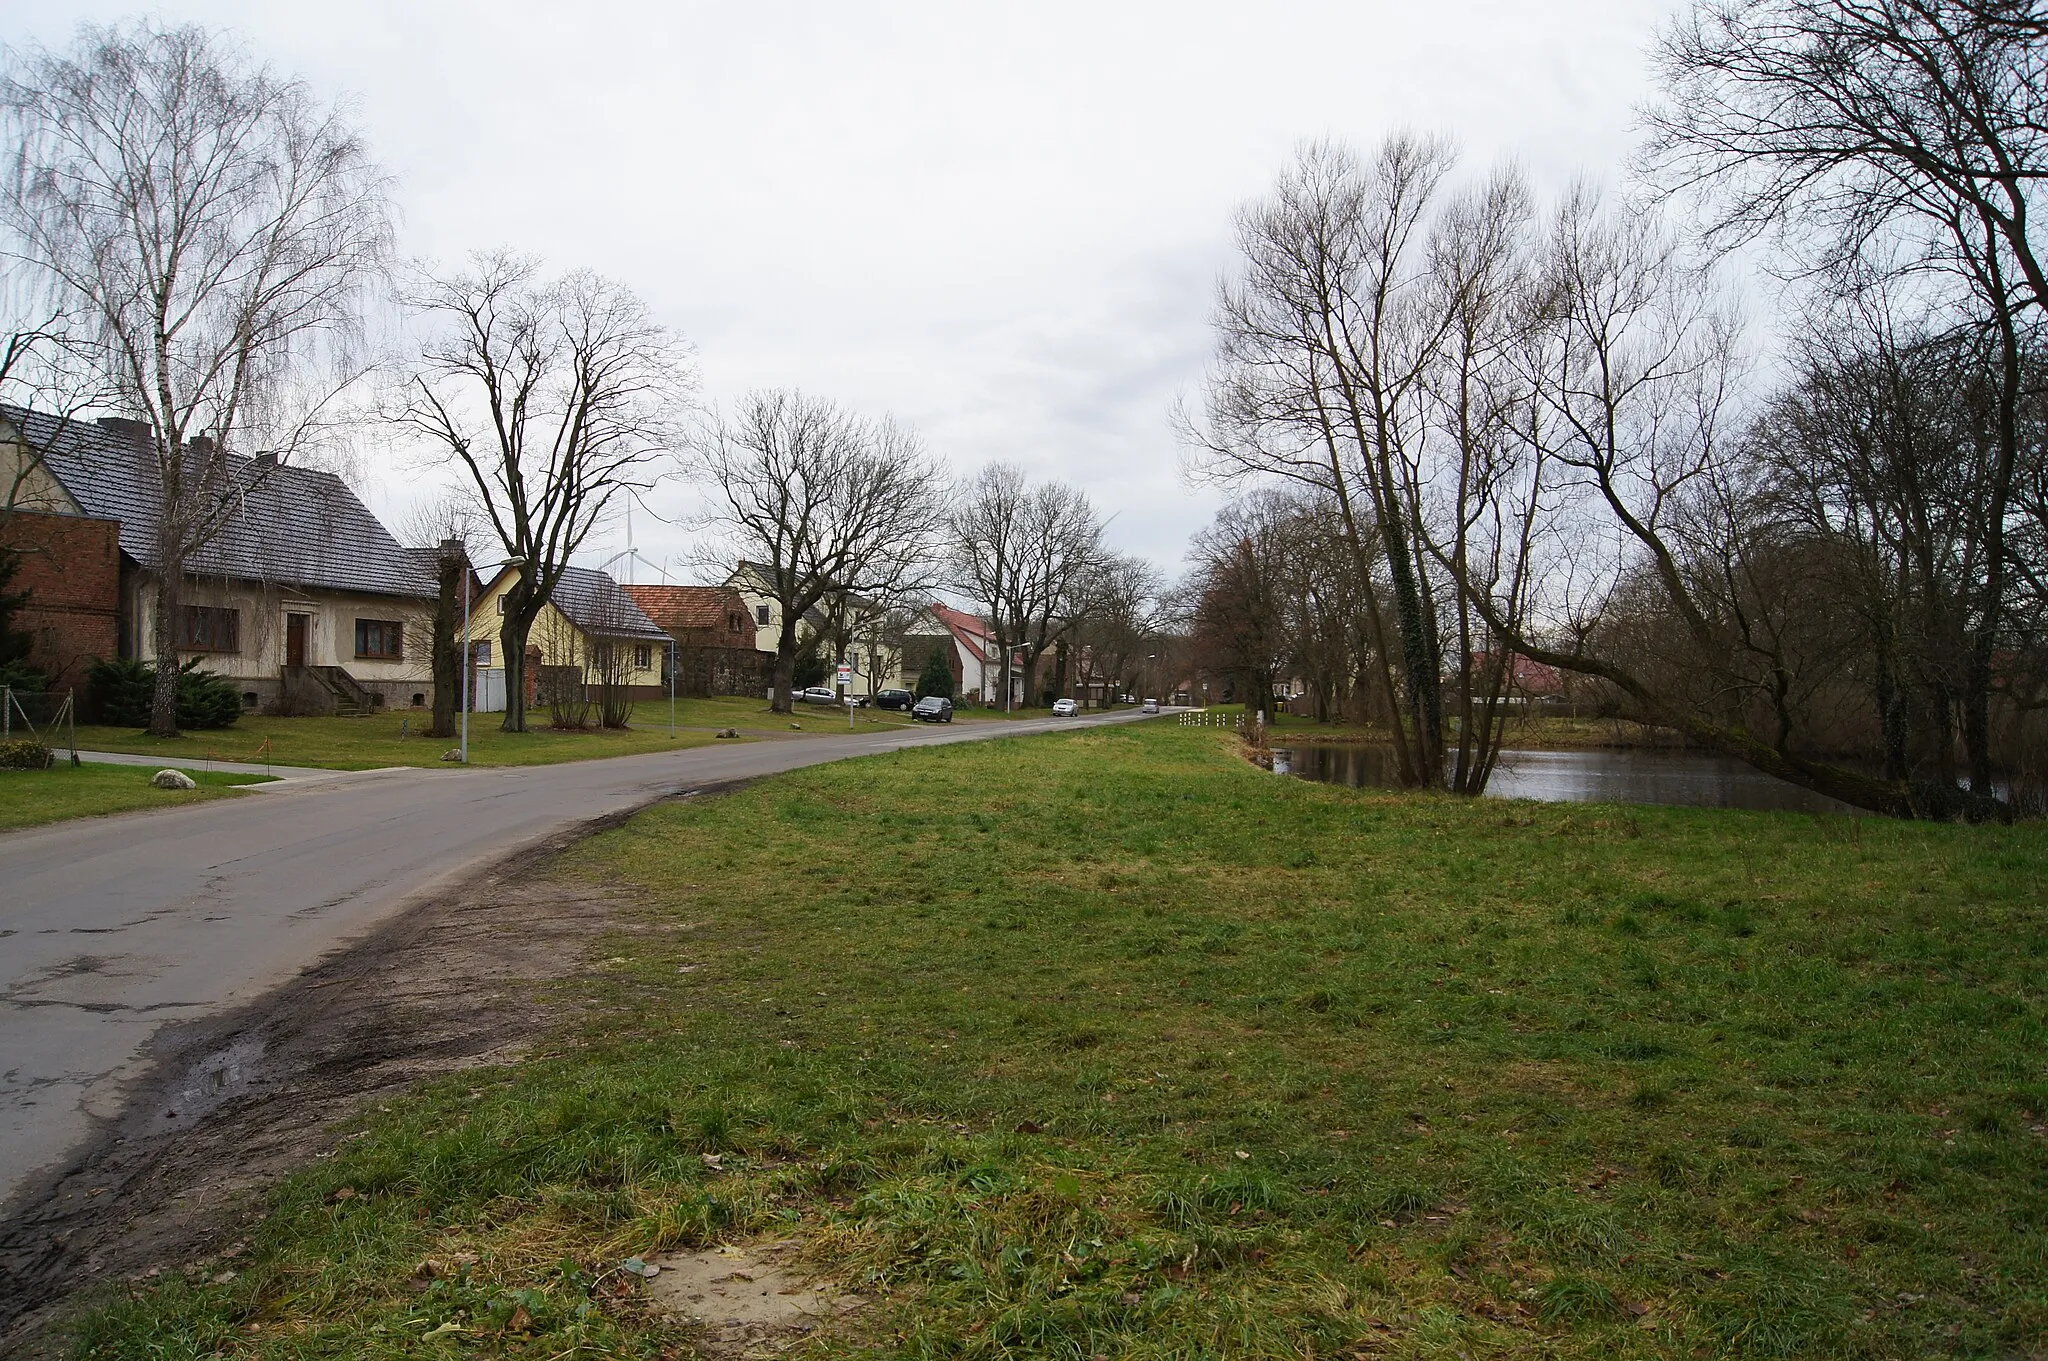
(845, 677)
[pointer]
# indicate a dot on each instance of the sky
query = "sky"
(1003, 226)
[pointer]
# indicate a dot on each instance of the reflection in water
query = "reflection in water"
(1577, 777)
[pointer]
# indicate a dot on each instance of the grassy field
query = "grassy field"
(392, 738)
(30, 798)
(1108, 1045)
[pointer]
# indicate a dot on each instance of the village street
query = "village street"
(117, 927)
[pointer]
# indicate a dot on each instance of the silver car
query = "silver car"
(1065, 708)
(1151, 706)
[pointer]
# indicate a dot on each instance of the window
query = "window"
(211, 629)
(643, 657)
(501, 604)
(735, 622)
(480, 655)
(761, 615)
(379, 638)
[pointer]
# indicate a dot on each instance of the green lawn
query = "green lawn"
(29, 798)
(392, 738)
(1109, 1045)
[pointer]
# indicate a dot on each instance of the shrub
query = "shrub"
(121, 690)
(26, 755)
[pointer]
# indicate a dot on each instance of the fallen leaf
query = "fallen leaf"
(1030, 1127)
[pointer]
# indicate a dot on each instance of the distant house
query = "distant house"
(714, 633)
(589, 633)
(303, 600)
(977, 659)
(872, 651)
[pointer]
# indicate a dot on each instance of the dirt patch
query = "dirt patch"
(235, 1102)
(748, 1298)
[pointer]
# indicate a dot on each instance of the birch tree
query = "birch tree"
(215, 227)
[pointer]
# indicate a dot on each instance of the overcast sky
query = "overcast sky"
(1004, 227)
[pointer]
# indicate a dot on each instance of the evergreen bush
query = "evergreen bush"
(121, 691)
(937, 677)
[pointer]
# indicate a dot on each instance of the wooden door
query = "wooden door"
(295, 639)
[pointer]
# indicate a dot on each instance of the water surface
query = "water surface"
(1673, 777)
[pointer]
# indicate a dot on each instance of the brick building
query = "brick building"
(71, 572)
(714, 633)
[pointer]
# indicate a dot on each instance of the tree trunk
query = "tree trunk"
(512, 638)
(170, 608)
(783, 679)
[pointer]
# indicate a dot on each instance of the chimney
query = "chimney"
(136, 432)
(200, 446)
(265, 461)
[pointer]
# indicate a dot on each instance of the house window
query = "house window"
(501, 604)
(210, 629)
(379, 638)
(480, 655)
(735, 622)
(761, 615)
(643, 657)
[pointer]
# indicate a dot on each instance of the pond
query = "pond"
(1678, 777)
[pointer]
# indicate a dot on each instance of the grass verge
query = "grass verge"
(393, 738)
(30, 798)
(1106, 1044)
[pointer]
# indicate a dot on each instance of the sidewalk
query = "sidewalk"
(280, 774)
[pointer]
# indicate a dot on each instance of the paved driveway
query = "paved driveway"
(111, 928)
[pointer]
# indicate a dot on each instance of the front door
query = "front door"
(295, 639)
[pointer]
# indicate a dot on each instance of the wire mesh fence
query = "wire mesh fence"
(45, 716)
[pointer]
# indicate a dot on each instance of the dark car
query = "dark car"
(894, 699)
(932, 709)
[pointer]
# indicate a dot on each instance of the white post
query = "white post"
(671, 689)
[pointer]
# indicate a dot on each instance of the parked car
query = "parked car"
(818, 694)
(894, 699)
(1151, 706)
(1065, 708)
(932, 709)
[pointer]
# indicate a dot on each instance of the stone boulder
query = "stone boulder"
(173, 779)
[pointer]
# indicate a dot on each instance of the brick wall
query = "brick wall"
(71, 570)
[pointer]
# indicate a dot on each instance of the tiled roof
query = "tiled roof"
(970, 630)
(688, 607)
(286, 526)
(596, 604)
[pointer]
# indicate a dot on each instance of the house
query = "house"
(590, 634)
(977, 659)
(714, 632)
(301, 599)
(875, 656)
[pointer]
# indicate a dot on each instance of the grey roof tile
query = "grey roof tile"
(595, 603)
(287, 526)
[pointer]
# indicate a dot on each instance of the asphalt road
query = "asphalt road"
(112, 928)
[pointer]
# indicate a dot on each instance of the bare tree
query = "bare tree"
(554, 397)
(826, 503)
(1063, 547)
(1912, 134)
(1121, 621)
(214, 226)
(988, 544)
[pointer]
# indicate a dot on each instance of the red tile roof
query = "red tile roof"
(688, 607)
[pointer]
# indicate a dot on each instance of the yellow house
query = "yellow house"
(588, 636)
